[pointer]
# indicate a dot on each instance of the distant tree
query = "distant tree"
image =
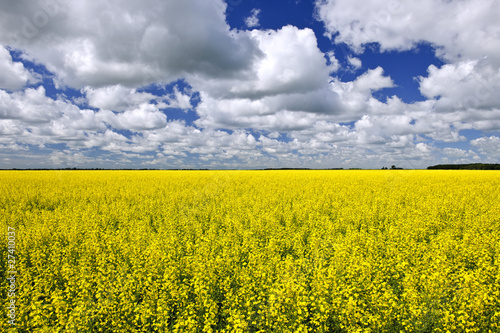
(473, 166)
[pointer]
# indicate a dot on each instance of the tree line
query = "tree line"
(473, 166)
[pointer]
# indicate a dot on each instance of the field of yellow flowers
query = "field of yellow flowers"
(250, 251)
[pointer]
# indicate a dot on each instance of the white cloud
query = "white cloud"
(277, 72)
(464, 29)
(119, 98)
(14, 76)
(356, 96)
(181, 101)
(355, 62)
(373, 80)
(116, 98)
(256, 87)
(466, 85)
(482, 120)
(458, 153)
(68, 158)
(30, 106)
(144, 117)
(489, 146)
(464, 34)
(291, 62)
(333, 63)
(315, 140)
(10, 129)
(96, 43)
(291, 76)
(253, 20)
(108, 140)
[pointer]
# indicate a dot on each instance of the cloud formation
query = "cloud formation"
(14, 76)
(125, 42)
(253, 20)
(460, 29)
(262, 97)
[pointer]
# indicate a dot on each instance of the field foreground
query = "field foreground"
(252, 251)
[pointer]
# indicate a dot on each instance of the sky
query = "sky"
(249, 84)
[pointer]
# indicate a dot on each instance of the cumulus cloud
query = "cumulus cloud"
(144, 117)
(372, 80)
(116, 98)
(333, 63)
(266, 97)
(457, 155)
(291, 62)
(30, 106)
(253, 20)
(355, 62)
(32, 118)
(489, 146)
(356, 96)
(276, 113)
(463, 34)
(119, 98)
(291, 76)
(466, 85)
(14, 76)
(462, 29)
(100, 44)
(180, 100)
(241, 75)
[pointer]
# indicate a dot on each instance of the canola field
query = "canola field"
(250, 251)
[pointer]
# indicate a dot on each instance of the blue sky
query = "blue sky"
(248, 83)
